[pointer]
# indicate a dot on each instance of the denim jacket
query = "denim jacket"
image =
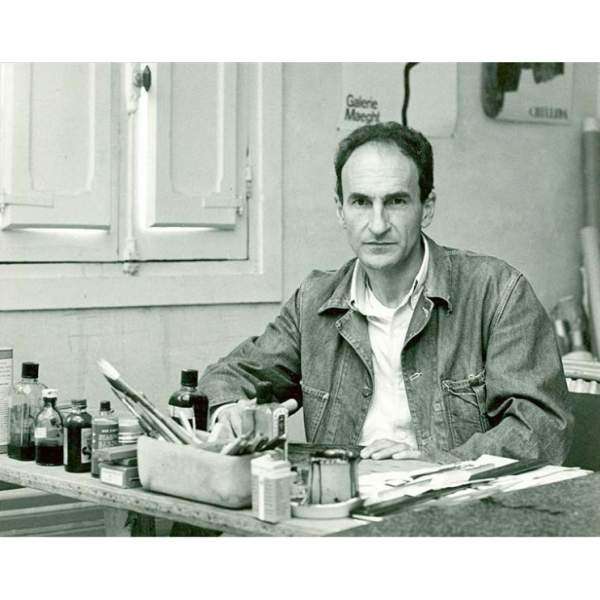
(480, 363)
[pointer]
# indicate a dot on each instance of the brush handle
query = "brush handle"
(165, 423)
(146, 423)
(151, 423)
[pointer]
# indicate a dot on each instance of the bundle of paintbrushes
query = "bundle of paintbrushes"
(151, 420)
(156, 425)
(248, 443)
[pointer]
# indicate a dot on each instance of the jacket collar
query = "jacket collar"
(437, 284)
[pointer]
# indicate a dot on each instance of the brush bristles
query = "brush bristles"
(108, 370)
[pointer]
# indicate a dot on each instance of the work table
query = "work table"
(568, 508)
(119, 502)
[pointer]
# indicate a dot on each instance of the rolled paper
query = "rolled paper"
(590, 242)
(591, 170)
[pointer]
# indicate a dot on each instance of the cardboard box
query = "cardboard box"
(6, 381)
(120, 476)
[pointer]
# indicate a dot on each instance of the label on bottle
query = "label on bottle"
(105, 434)
(54, 434)
(66, 450)
(6, 381)
(39, 433)
(271, 496)
(86, 445)
(280, 423)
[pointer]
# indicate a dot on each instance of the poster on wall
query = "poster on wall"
(420, 95)
(527, 92)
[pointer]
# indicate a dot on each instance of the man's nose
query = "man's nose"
(378, 223)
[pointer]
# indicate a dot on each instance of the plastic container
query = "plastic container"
(129, 431)
(271, 488)
(209, 477)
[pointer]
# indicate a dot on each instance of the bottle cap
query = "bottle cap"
(80, 403)
(50, 393)
(30, 370)
(105, 405)
(189, 377)
(264, 392)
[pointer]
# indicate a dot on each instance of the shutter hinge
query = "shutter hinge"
(130, 266)
(247, 185)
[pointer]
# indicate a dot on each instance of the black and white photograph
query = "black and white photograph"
(248, 298)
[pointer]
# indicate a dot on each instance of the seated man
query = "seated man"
(411, 349)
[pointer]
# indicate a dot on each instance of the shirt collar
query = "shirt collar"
(359, 286)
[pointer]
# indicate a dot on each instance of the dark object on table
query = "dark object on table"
(585, 449)
(515, 468)
(300, 450)
(78, 438)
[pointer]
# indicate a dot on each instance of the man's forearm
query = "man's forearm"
(273, 356)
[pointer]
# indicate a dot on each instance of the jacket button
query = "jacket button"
(366, 391)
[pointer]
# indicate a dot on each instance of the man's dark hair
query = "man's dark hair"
(412, 144)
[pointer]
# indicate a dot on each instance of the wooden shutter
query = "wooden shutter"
(196, 125)
(56, 142)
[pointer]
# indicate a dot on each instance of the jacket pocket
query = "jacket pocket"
(465, 405)
(314, 403)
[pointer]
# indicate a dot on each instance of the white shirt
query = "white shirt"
(388, 416)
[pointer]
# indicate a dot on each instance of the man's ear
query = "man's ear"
(428, 210)
(339, 211)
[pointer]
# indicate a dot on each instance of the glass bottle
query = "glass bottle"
(187, 403)
(105, 433)
(270, 418)
(48, 432)
(25, 401)
(77, 456)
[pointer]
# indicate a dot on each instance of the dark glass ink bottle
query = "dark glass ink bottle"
(78, 439)
(188, 403)
(48, 432)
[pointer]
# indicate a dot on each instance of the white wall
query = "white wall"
(505, 189)
(510, 190)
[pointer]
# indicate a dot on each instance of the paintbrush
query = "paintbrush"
(148, 426)
(162, 422)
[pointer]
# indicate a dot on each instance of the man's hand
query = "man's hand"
(230, 417)
(384, 448)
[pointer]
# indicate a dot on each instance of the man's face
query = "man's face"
(382, 211)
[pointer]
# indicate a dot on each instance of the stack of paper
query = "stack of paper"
(388, 486)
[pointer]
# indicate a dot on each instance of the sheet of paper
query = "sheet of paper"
(387, 485)
(549, 474)
(393, 483)
(510, 483)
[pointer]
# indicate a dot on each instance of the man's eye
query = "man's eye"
(397, 200)
(360, 201)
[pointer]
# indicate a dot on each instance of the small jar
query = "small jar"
(129, 430)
